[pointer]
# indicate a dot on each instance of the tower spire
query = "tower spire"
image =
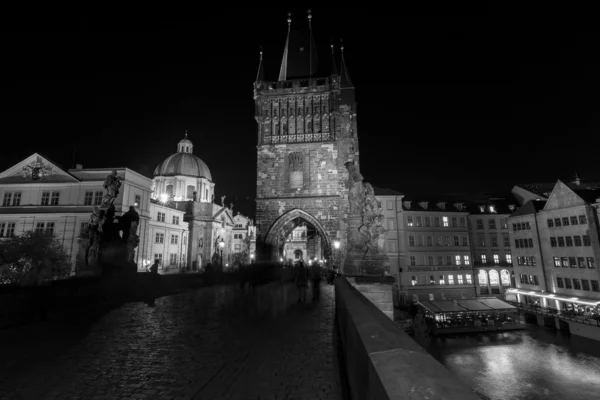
(260, 76)
(334, 70)
(310, 50)
(345, 76)
(284, 61)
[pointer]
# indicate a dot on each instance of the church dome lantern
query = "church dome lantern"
(184, 163)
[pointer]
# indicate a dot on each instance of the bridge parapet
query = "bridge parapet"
(380, 361)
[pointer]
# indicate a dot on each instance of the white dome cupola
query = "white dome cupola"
(181, 174)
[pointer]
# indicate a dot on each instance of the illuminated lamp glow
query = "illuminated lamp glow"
(574, 298)
(532, 293)
(163, 198)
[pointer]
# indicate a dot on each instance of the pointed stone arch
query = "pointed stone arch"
(283, 224)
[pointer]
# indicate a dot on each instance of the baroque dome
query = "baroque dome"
(183, 163)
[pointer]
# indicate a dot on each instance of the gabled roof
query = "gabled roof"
(21, 173)
(433, 204)
(545, 189)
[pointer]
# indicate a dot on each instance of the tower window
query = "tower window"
(296, 170)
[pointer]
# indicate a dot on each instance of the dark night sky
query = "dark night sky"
(449, 100)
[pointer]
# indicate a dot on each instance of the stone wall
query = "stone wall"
(383, 362)
(378, 293)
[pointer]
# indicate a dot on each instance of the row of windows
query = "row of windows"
(529, 279)
(570, 241)
(161, 217)
(574, 262)
(450, 260)
(7, 229)
(440, 241)
(493, 240)
(521, 226)
(91, 198)
(160, 238)
(422, 280)
(47, 227)
(435, 221)
(495, 258)
(566, 221)
(526, 260)
(238, 235)
(583, 284)
(494, 278)
(492, 223)
(523, 243)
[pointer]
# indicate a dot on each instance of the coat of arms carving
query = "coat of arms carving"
(36, 170)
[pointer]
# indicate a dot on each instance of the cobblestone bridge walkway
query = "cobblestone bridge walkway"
(219, 342)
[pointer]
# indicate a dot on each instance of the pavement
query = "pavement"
(218, 342)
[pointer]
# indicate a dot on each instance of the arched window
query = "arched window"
(170, 190)
(190, 192)
(505, 277)
(483, 277)
(494, 278)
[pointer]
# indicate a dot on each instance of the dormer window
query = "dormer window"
(459, 206)
(424, 204)
(407, 205)
(492, 209)
(441, 205)
(481, 208)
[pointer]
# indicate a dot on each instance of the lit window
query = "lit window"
(467, 260)
(492, 209)
(450, 279)
(413, 280)
(442, 282)
(409, 221)
(509, 259)
(496, 259)
(505, 277)
(483, 259)
(483, 277)
(456, 260)
(494, 278)
(445, 221)
(459, 279)
(469, 279)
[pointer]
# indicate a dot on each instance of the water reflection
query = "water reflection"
(533, 364)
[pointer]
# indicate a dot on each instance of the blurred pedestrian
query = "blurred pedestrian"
(301, 281)
(315, 277)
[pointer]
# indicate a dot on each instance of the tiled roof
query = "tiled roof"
(544, 189)
(433, 204)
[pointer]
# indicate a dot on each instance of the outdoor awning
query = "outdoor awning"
(448, 306)
(577, 300)
(474, 305)
(497, 304)
(470, 305)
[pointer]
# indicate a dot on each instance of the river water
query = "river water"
(536, 363)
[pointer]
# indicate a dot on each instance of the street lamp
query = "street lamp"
(251, 258)
(222, 246)
(336, 245)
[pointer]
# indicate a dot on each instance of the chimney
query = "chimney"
(78, 166)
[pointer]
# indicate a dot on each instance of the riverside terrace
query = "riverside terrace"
(474, 315)
(227, 342)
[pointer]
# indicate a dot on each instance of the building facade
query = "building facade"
(568, 240)
(490, 246)
(436, 238)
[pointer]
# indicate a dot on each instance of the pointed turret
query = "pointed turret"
(345, 76)
(260, 76)
(334, 70)
(299, 55)
(284, 60)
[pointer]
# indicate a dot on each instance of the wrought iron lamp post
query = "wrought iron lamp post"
(336, 245)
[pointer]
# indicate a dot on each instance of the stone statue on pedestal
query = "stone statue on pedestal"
(112, 184)
(94, 232)
(355, 187)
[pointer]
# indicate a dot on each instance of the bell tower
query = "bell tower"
(306, 132)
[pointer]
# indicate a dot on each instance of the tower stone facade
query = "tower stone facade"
(306, 132)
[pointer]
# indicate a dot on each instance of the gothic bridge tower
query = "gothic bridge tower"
(306, 133)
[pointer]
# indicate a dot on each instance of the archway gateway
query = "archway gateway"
(283, 226)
